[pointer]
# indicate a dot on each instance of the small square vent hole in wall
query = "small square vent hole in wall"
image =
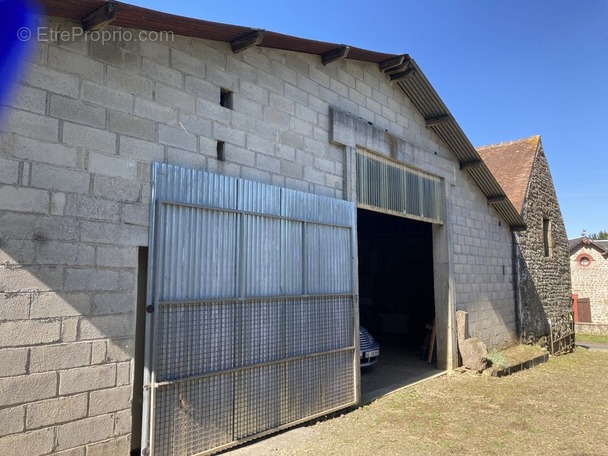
(221, 154)
(226, 98)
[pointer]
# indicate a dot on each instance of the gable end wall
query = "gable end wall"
(591, 281)
(544, 281)
(78, 139)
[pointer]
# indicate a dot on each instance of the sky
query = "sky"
(506, 70)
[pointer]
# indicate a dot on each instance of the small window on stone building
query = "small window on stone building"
(226, 98)
(547, 238)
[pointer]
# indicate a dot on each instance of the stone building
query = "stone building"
(542, 266)
(188, 211)
(589, 268)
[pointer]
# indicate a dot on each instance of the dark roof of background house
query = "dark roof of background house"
(600, 244)
(511, 163)
(416, 86)
(574, 242)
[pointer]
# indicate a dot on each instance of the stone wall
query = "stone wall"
(544, 284)
(78, 139)
(600, 329)
(591, 281)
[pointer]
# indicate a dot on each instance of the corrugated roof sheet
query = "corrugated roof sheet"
(417, 87)
(511, 163)
(430, 105)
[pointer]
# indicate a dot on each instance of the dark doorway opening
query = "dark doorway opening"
(396, 296)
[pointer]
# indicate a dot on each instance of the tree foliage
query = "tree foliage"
(601, 236)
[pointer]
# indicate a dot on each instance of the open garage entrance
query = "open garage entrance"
(396, 297)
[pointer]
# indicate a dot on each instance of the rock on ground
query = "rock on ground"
(474, 354)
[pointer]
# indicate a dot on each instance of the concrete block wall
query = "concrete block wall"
(75, 152)
(482, 247)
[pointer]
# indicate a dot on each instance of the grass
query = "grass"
(591, 338)
(497, 360)
(557, 408)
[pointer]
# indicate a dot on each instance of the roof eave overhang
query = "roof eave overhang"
(422, 94)
(136, 17)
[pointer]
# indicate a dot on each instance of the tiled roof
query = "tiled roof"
(511, 164)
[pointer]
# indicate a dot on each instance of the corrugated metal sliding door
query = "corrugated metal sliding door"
(251, 310)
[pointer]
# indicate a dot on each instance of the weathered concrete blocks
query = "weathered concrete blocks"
(116, 188)
(177, 137)
(21, 333)
(51, 80)
(9, 171)
(83, 136)
(56, 411)
(130, 125)
(84, 431)
(109, 400)
(13, 362)
(59, 304)
(14, 306)
(170, 96)
(92, 208)
(27, 388)
(55, 178)
(32, 443)
(158, 72)
(107, 326)
(12, 420)
(78, 65)
(141, 150)
(31, 125)
(112, 166)
(29, 99)
(116, 446)
(97, 279)
(87, 379)
(55, 357)
(130, 83)
(77, 112)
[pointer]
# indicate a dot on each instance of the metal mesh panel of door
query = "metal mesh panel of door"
(251, 327)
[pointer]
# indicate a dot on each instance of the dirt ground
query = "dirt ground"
(557, 408)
